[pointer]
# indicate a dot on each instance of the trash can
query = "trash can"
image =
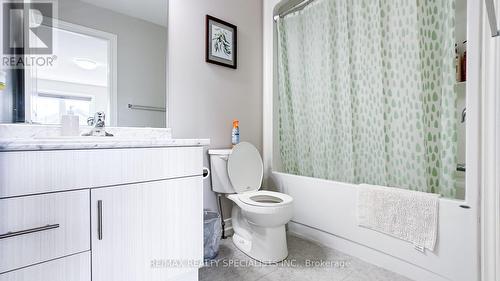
(211, 234)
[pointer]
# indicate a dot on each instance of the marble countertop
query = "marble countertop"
(94, 143)
(36, 137)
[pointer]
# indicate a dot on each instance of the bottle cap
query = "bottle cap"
(235, 123)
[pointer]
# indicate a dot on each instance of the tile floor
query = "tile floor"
(231, 264)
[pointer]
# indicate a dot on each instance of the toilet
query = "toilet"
(258, 216)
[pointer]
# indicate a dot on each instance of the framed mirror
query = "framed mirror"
(106, 55)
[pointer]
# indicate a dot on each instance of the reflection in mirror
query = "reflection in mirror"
(460, 89)
(108, 54)
(81, 82)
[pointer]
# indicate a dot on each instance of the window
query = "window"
(49, 107)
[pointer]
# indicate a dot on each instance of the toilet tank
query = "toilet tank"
(218, 167)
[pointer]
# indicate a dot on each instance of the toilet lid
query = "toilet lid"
(245, 168)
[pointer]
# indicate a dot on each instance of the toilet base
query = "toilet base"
(265, 244)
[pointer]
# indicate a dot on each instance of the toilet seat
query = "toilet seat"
(244, 168)
(263, 198)
(245, 171)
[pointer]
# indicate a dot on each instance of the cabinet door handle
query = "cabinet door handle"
(28, 231)
(99, 219)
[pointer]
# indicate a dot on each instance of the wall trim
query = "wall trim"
(168, 114)
(268, 84)
(364, 253)
(490, 196)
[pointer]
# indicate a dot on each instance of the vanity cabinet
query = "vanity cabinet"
(43, 227)
(147, 231)
(72, 268)
(34, 172)
(127, 214)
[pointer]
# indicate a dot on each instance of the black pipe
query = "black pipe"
(222, 222)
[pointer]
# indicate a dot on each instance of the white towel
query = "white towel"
(404, 214)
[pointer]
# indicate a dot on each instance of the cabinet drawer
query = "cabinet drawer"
(32, 172)
(72, 268)
(38, 228)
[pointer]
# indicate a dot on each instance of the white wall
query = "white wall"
(141, 59)
(490, 164)
(204, 98)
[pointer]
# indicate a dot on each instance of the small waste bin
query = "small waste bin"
(211, 234)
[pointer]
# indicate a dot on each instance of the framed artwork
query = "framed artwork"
(221, 42)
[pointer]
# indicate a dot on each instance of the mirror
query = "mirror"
(460, 90)
(107, 55)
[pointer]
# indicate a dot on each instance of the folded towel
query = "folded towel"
(404, 214)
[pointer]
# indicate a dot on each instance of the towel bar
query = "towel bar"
(145, 107)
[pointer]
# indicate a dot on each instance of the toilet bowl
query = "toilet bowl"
(258, 216)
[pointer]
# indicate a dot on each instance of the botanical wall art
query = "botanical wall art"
(220, 42)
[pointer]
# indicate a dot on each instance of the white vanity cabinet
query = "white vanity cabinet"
(71, 268)
(43, 227)
(147, 231)
(125, 214)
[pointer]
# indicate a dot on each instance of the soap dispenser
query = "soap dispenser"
(70, 124)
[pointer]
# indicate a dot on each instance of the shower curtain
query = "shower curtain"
(366, 93)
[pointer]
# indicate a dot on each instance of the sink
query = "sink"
(88, 139)
(42, 137)
(71, 138)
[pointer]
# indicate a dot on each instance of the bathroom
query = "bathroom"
(297, 131)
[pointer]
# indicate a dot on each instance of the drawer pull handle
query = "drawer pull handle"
(28, 231)
(99, 219)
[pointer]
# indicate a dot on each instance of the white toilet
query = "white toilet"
(258, 217)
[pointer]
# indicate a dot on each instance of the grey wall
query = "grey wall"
(141, 59)
(204, 98)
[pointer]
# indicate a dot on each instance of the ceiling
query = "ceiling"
(154, 11)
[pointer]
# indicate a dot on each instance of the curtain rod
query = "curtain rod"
(290, 6)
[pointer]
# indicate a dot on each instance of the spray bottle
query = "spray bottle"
(235, 135)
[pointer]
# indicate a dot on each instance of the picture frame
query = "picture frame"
(221, 42)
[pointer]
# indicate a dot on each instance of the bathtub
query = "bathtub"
(325, 211)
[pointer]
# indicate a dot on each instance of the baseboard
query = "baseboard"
(364, 253)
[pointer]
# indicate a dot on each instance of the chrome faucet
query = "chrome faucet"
(99, 123)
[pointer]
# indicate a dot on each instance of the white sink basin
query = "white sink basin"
(74, 138)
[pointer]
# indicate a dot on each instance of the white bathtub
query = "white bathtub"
(326, 211)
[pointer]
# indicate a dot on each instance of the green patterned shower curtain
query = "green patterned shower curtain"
(366, 93)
